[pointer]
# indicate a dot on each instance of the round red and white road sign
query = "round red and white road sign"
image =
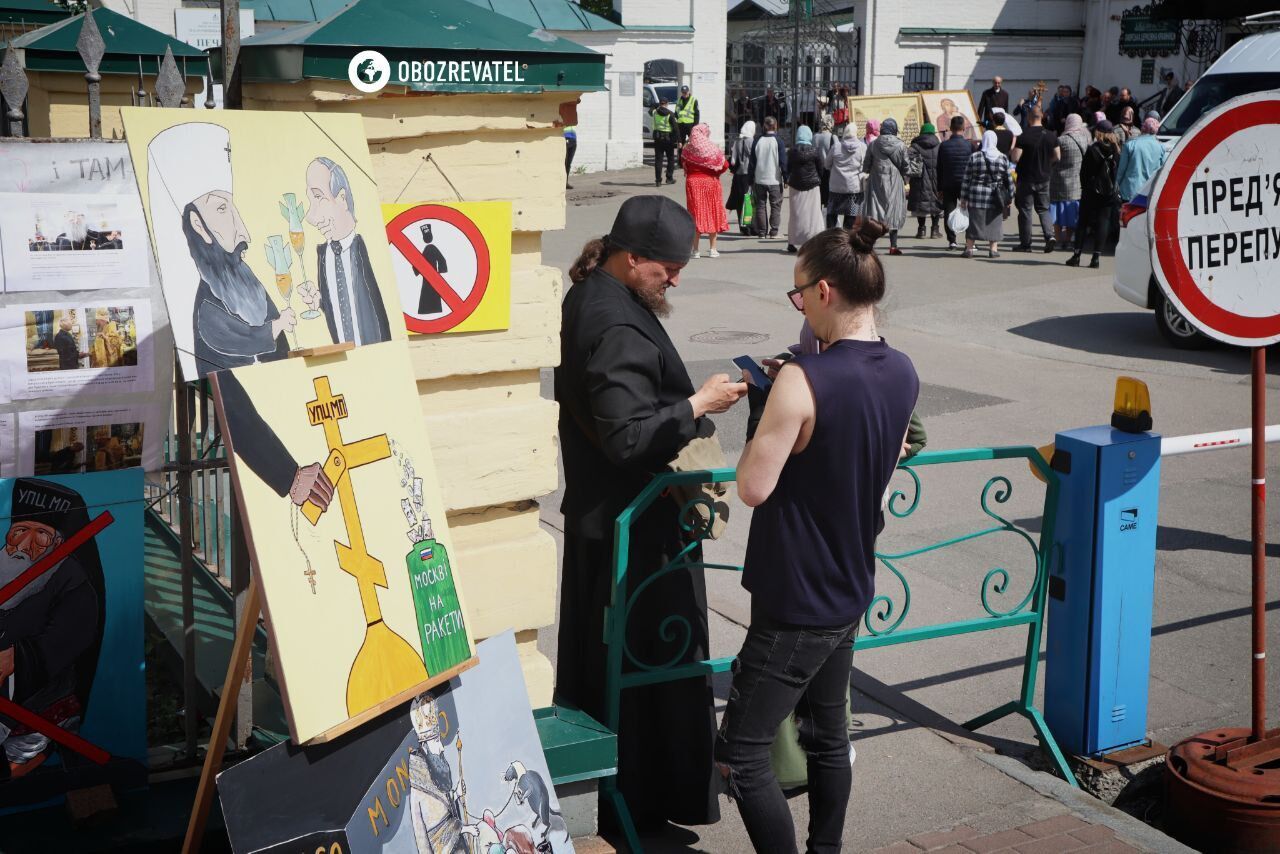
(1214, 222)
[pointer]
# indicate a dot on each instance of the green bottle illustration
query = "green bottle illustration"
(435, 598)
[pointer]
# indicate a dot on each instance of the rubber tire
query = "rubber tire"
(1179, 340)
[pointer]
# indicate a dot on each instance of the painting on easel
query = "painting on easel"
(267, 232)
(346, 526)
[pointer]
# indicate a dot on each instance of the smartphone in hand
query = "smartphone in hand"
(757, 374)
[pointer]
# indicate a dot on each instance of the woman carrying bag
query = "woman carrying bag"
(740, 164)
(1098, 199)
(985, 196)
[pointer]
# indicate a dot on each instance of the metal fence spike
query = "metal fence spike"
(90, 44)
(170, 87)
(91, 48)
(13, 86)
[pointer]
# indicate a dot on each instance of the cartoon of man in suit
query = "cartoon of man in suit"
(348, 291)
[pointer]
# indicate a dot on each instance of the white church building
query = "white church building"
(916, 45)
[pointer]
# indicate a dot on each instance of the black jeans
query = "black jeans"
(1030, 196)
(1095, 215)
(784, 668)
(664, 147)
(950, 198)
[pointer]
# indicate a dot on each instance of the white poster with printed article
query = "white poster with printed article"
(54, 349)
(86, 352)
(8, 424)
(60, 242)
(70, 441)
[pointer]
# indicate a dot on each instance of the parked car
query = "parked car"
(652, 92)
(1250, 65)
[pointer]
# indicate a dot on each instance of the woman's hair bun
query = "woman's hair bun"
(865, 233)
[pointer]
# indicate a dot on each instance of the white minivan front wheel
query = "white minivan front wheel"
(1175, 328)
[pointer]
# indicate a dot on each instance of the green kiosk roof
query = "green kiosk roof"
(33, 12)
(459, 47)
(53, 48)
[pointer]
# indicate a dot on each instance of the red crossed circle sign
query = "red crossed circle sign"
(1214, 222)
(459, 307)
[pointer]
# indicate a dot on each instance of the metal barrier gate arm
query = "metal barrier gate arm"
(883, 617)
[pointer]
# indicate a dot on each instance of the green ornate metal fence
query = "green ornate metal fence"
(883, 621)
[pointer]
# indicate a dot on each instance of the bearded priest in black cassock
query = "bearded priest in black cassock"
(627, 407)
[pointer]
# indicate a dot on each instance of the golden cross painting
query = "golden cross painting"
(362, 611)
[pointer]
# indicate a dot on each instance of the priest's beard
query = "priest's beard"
(226, 273)
(79, 231)
(655, 301)
(13, 565)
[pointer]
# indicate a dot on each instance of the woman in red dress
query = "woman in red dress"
(703, 164)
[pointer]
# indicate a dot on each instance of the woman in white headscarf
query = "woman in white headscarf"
(740, 167)
(986, 194)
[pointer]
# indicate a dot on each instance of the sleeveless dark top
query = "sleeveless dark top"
(810, 558)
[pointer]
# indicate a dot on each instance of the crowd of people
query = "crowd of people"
(1068, 164)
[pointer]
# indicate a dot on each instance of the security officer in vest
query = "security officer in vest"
(664, 141)
(686, 116)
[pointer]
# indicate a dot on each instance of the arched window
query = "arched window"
(919, 77)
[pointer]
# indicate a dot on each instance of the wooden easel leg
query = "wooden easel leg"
(240, 651)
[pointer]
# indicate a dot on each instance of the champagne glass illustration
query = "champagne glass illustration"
(291, 210)
(281, 261)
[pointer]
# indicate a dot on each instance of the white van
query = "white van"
(1250, 65)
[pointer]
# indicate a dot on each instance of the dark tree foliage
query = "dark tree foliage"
(603, 8)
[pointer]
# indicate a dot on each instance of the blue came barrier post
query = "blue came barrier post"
(1098, 652)
(886, 614)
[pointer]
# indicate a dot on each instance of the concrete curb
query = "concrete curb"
(1089, 807)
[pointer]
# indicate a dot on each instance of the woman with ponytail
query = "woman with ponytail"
(816, 483)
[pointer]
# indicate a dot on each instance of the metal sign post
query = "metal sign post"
(1215, 243)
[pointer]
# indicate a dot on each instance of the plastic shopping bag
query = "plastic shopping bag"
(748, 208)
(958, 220)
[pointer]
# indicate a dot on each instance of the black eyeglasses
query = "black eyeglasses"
(795, 296)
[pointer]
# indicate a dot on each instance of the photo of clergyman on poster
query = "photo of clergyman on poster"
(102, 447)
(72, 441)
(59, 349)
(80, 231)
(61, 242)
(267, 230)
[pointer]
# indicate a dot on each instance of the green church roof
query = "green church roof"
(292, 10)
(53, 48)
(427, 31)
(561, 15)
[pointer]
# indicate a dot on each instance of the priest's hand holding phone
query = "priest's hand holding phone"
(717, 395)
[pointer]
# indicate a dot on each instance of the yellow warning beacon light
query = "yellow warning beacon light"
(1132, 413)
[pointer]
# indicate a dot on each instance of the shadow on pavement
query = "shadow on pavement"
(1182, 539)
(1131, 335)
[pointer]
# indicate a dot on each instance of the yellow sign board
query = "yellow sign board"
(453, 264)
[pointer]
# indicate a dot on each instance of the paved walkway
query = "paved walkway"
(1050, 836)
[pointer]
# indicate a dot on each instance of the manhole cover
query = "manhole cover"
(729, 336)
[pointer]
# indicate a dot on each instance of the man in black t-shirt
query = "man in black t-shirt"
(1035, 152)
